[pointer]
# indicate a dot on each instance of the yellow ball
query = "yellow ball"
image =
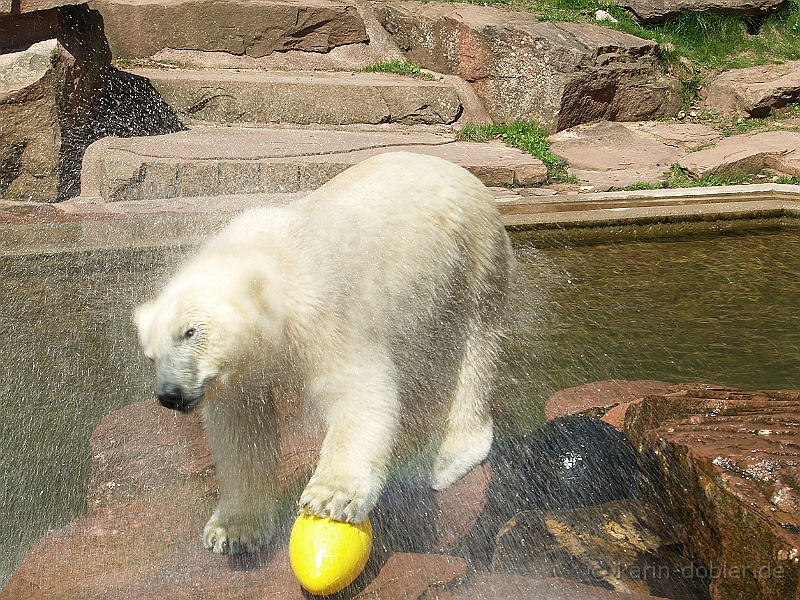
(326, 555)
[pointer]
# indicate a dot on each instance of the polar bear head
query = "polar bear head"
(203, 329)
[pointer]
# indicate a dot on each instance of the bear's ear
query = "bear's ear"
(142, 319)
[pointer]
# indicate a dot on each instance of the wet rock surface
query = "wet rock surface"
(729, 460)
(627, 546)
(598, 398)
(152, 486)
(701, 502)
(722, 463)
(567, 463)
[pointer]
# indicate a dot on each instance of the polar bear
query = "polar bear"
(378, 299)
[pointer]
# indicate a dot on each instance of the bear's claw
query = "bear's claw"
(323, 501)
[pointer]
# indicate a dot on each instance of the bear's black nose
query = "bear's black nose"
(171, 396)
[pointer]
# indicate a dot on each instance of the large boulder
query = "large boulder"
(756, 91)
(625, 545)
(557, 74)
(29, 129)
(729, 461)
(651, 11)
(57, 97)
(141, 29)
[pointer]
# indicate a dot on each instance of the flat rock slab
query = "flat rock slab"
(303, 98)
(208, 161)
(152, 485)
(730, 478)
(650, 11)
(141, 28)
(558, 74)
(597, 398)
(755, 91)
(687, 136)
(611, 155)
(747, 154)
(501, 586)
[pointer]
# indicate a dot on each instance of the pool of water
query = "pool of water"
(678, 306)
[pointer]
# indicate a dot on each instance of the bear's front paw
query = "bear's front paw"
(234, 535)
(350, 503)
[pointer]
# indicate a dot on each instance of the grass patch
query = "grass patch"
(397, 67)
(729, 126)
(528, 137)
(693, 43)
(136, 63)
(676, 177)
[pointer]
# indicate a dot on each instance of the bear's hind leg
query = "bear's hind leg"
(468, 433)
(243, 438)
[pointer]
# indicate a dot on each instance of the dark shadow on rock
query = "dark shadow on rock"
(10, 163)
(249, 561)
(627, 546)
(99, 100)
(567, 463)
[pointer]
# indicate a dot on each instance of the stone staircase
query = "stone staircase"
(189, 76)
(274, 99)
(256, 127)
(304, 97)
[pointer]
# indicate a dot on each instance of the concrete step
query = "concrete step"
(304, 98)
(142, 28)
(209, 161)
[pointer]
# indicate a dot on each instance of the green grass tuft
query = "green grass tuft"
(398, 67)
(676, 177)
(528, 137)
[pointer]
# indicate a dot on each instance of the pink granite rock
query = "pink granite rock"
(651, 11)
(747, 154)
(558, 74)
(139, 29)
(612, 155)
(598, 397)
(755, 91)
(731, 479)
(152, 487)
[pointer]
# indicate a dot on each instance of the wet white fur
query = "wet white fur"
(378, 299)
